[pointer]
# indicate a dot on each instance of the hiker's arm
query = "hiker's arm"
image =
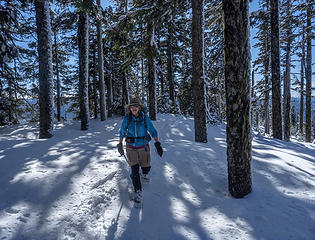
(123, 129)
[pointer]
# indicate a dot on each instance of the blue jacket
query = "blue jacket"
(137, 129)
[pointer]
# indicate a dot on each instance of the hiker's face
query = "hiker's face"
(135, 110)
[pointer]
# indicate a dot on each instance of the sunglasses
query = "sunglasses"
(134, 106)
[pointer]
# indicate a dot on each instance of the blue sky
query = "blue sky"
(105, 3)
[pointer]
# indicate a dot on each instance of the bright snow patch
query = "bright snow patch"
(75, 186)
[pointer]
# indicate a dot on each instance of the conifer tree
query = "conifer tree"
(275, 70)
(46, 101)
(237, 77)
(287, 39)
(100, 61)
(302, 83)
(308, 70)
(150, 55)
(83, 43)
(8, 73)
(198, 72)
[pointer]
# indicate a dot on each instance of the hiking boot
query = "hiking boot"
(145, 178)
(138, 196)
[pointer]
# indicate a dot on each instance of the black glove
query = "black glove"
(158, 147)
(120, 149)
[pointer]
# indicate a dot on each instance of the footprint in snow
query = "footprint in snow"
(12, 210)
(22, 219)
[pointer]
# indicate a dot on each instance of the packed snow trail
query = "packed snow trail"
(75, 186)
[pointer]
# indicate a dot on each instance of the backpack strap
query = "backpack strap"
(130, 119)
(128, 124)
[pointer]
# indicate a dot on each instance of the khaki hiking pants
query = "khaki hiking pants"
(138, 155)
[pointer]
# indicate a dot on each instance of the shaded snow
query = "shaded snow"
(75, 186)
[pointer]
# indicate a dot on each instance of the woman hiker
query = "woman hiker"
(135, 127)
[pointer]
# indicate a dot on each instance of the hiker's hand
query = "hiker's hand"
(158, 147)
(120, 149)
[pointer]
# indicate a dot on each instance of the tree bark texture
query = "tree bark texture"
(266, 70)
(95, 86)
(151, 70)
(237, 77)
(14, 103)
(275, 70)
(142, 80)
(198, 88)
(302, 84)
(58, 97)
(287, 94)
(287, 76)
(46, 84)
(100, 62)
(161, 78)
(160, 68)
(252, 97)
(308, 72)
(267, 86)
(170, 70)
(11, 101)
(108, 82)
(266, 108)
(83, 39)
(124, 87)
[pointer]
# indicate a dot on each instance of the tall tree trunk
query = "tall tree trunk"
(124, 88)
(266, 110)
(124, 71)
(15, 118)
(237, 77)
(142, 69)
(46, 83)
(302, 84)
(151, 70)
(308, 72)
(143, 81)
(109, 95)
(58, 97)
(267, 86)
(100, 61)
(109, 87)
(170, 71)
(10, 90)
(95, 86)
(83, 39)
(160, 68)
(198, 72)
(252, 113)
(275, 71)
(287, 95)
(287, 77)
(161, 77)
(266, 71)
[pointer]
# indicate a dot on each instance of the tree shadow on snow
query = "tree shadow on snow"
(39, 179)
(189, 196)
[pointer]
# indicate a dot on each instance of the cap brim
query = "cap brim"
(134, 104)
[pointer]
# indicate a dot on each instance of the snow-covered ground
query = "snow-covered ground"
(75, 186)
